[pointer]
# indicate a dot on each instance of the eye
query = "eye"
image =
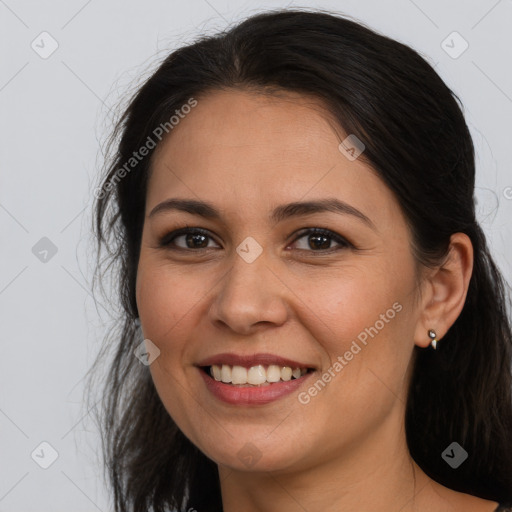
(194, 239)
(320, 240)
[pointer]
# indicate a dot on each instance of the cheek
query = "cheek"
(350, 299)
(363, 319)
(166, 299)
(368, 346)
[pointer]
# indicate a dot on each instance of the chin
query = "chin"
(246, 453)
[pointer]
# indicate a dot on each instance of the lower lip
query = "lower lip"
(251, 395)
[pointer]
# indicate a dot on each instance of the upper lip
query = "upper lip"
(252, 360)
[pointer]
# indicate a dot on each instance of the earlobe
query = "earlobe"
(448, 285)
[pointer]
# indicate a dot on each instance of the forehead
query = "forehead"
(245, 148)
(230, 122)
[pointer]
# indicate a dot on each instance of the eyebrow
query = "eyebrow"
(280, 213)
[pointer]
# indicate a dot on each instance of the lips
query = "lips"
(247, 361)
(252, 395)
(246, 394)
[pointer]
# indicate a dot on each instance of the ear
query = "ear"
(444, 291)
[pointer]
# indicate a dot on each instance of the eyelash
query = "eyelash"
(167, 240)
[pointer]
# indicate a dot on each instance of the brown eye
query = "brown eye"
(319, 240)
(193, 239)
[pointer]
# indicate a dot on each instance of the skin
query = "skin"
(344, 450)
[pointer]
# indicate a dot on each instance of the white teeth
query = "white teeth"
(216, 372)
(256, 375)
(273, 373)
(225, 373)
(286, 373)
(239, 375)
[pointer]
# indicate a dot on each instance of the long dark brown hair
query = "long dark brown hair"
(417, 140)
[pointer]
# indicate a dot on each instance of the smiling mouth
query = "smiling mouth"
(255, 376)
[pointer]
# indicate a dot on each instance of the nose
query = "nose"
(249, 296)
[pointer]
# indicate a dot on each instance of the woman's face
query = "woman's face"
(341, 303)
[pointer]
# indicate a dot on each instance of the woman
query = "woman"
(316, 318)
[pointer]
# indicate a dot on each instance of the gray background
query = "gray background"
(55, 113)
